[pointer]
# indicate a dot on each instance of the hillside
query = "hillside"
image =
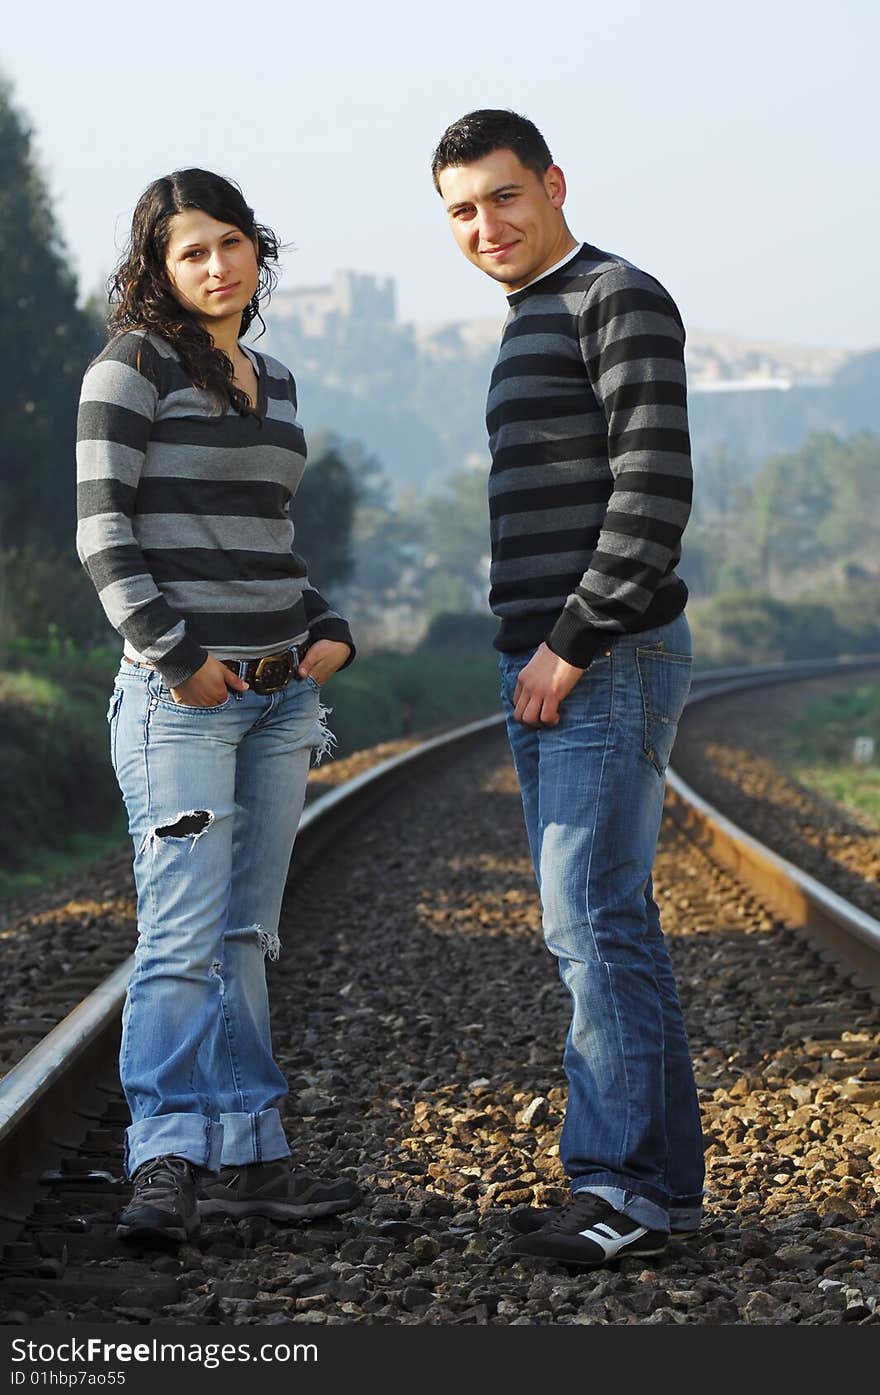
(414, 395)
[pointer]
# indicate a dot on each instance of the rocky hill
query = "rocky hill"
(414, 395)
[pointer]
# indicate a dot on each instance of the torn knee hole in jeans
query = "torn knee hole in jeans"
(195, 823)
(191, 823)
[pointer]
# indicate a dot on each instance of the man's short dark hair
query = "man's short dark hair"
(479, 133)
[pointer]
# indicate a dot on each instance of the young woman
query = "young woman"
(189, 453)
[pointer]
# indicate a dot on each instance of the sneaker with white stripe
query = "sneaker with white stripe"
(590, 1233)
(525, 1219)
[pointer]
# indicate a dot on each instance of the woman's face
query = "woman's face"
(212, 267)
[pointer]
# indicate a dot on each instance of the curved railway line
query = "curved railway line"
(422, 1026)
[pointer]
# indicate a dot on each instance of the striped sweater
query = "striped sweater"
(183, 511)
(590, 485)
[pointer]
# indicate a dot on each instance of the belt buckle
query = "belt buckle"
(274, 672)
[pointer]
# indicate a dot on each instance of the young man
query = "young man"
(589, 493)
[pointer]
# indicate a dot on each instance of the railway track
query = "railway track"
(439, 1185)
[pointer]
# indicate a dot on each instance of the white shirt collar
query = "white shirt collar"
(550, 270)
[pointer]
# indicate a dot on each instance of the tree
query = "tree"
(46, 342)
(816, 506)
(457, 544)
(851, 525)
(323, 511)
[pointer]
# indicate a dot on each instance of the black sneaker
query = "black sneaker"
(163, 1203)
(527, 1219)
(275, 1190)
(590, 1233)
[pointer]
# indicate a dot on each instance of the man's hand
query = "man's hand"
(209, 685)
(543, 684)
(322, 659)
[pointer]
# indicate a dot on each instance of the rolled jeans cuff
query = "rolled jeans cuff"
(252, 1138)
(191, 1136)
(685, 1216)
(637, 1208)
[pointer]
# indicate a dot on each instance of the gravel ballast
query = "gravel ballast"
(420, 1022)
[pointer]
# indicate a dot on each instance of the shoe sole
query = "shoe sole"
(275, 1210)
(157, 1235)
(605, 1263)
(602, 1262)
(674, 1235)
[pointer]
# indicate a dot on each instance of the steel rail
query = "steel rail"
(842, 932)
(30, 1091)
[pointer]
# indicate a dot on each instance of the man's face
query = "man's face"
(505, 218)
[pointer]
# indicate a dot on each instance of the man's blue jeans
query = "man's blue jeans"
(592, 793)
(214, 796)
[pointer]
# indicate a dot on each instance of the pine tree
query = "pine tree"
(323, 511)
(46, 342)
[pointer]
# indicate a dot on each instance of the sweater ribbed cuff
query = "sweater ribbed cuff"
(181, 662)
(575, 642)
(334, 629)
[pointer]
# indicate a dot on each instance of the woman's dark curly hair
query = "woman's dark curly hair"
(140, 293)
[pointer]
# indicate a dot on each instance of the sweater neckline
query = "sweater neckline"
(551, 280)
(259, 368)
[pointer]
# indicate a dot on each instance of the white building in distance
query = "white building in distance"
(351, 297)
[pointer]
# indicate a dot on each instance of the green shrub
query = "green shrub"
(55, 775)
(385, 696)
(454, 633)
(749, 627)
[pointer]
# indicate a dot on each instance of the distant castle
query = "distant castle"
(352, 297)
(358, 304)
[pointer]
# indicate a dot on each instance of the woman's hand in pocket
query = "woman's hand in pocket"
(208, 686)
(322, 659)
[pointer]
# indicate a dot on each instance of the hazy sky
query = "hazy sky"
(728, 148)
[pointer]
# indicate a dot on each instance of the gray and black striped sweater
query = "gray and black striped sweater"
(590, 486)
(184, 511)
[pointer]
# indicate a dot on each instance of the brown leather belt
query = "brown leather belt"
(268, 674)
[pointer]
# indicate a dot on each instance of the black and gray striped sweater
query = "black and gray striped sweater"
(590, 486)
(184, 511)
